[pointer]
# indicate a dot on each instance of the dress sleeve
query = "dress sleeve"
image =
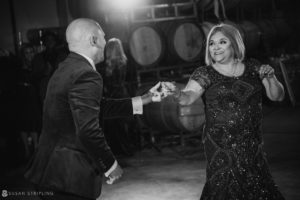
(201, 75)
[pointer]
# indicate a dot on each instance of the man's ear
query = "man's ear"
(93, 40)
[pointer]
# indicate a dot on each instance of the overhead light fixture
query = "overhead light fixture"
(124, 4)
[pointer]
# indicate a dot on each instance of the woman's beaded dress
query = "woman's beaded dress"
(236, 164)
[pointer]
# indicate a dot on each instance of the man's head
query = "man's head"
(85, 36)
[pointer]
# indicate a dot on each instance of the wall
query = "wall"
(30, 14)
(6, 39)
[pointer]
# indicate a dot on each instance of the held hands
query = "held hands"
(161, 90)
(266, 71)
(114, 175)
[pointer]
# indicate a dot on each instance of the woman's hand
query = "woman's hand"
(274, 89)
(266, 71)
(161, 90)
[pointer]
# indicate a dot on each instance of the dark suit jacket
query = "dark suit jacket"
(73, 154)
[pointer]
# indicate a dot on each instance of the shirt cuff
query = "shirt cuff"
(113, 167)
(137, 105)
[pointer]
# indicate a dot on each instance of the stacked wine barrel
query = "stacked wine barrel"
(167, 42)
(154, 44)
(184, 42)
(169, 115)
(173, 42)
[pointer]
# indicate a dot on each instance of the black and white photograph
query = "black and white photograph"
(150, 100)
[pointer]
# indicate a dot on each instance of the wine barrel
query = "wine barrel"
(207, 5)
(206, 27)
(274, 32)
(283, 30)
(252, 35)
(185, 40)
(229, 4)
(169, 115)
(268, 31)
(146, 45)
(236, 26)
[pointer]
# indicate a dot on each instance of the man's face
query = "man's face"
(100, 45)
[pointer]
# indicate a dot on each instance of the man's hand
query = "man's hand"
(155, 94)
(115, 175)
(161, 90)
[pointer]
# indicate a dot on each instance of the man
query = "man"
(73, 155)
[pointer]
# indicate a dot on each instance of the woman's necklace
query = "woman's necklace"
(232, 73)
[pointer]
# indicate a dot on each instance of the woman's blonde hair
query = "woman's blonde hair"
(233, 35)
(114, 53)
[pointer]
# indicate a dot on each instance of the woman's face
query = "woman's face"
(220, 48)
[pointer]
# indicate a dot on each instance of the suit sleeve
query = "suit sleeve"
(84, 99)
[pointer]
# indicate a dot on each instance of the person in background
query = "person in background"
(115, 59)
(232, 88)
(73, 155)
(46, 62)
(120, 133)
(29, 115)
(9, 148)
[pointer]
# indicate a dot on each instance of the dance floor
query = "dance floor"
(178, 172)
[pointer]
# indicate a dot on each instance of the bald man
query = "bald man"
(72, 154)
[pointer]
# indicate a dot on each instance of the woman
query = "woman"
(232, 87)
(29, 116)
(119, 132)
(116, 62)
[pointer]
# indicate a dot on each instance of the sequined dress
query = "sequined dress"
(237, 168)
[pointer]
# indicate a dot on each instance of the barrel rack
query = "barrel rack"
(167, 124)
(151, 14)
(178, 73)
(153, 138)
(162, 12)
